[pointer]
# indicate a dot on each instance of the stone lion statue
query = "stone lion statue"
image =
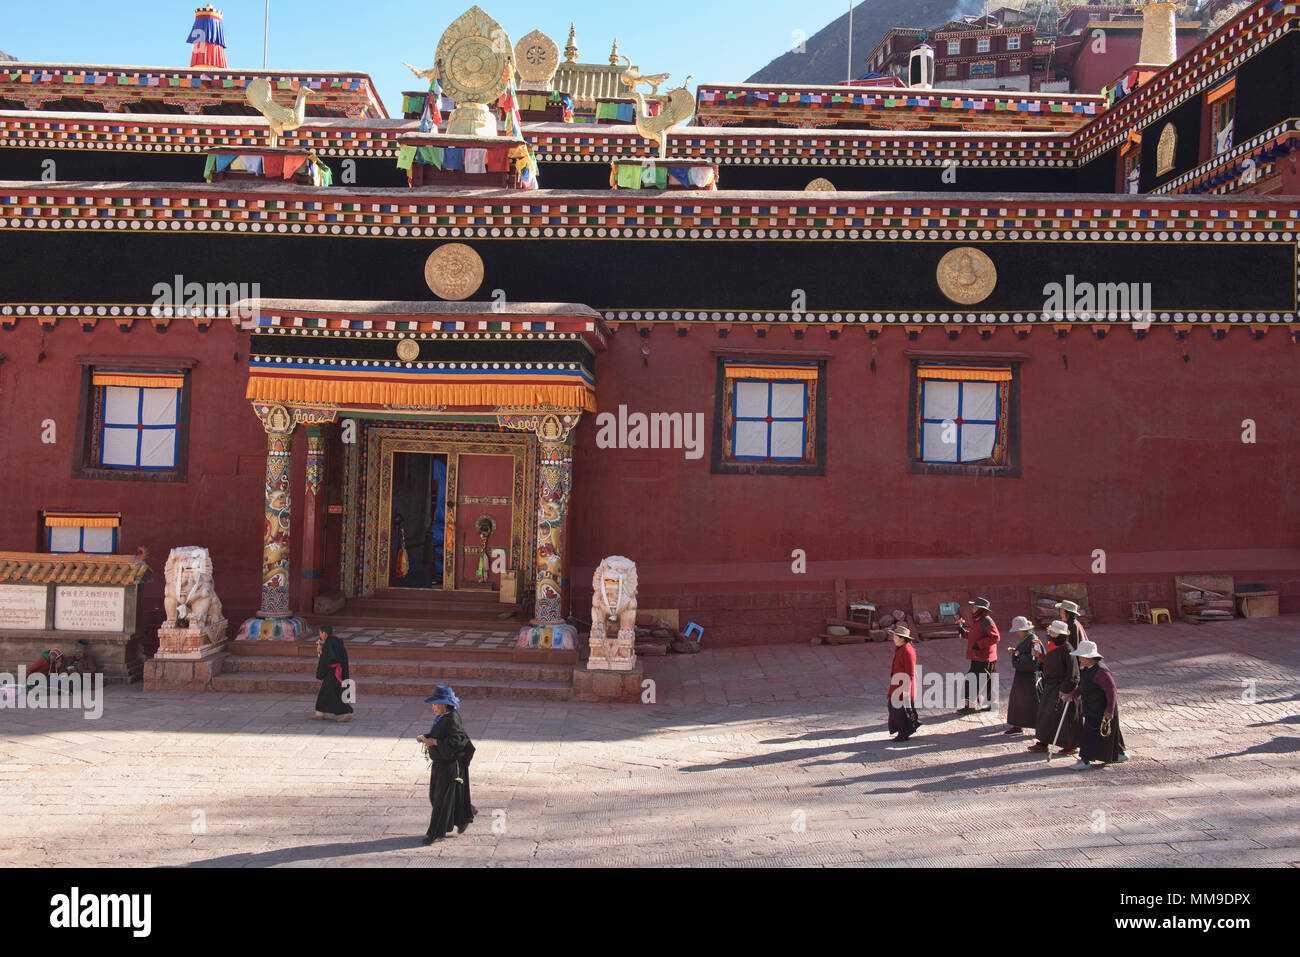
(189, 593)
(613, 599)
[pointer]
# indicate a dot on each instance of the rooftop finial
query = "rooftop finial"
(571, 48)
(613, 53)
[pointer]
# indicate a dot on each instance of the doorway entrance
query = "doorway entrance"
(419, 510)
(447, 483)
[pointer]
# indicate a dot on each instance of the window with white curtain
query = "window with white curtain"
(139, 427)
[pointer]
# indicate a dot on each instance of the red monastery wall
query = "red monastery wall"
(219, 505)
(1125, 447)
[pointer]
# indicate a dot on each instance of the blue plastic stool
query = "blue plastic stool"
(692, 627)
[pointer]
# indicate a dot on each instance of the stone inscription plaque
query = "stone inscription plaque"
(83, 608)
(22, 606)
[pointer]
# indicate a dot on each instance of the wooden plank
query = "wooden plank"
(841, 599)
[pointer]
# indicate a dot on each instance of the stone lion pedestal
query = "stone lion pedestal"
(192, 641)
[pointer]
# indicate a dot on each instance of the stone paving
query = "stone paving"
(773, 755)
(457, 638)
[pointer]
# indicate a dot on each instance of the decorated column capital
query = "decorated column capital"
(549, 424)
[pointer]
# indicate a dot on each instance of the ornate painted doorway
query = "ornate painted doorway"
(486, 473)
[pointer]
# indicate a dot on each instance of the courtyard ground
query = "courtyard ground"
(766, 756)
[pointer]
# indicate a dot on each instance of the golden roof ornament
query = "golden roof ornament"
(571, 48)
(679, 108)
(472, 59)
(537, 57)
(1159, 34)
(613, 53)
(281, 119)
(820, 185)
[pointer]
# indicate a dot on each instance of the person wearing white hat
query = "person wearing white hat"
(903, 719)
(1098, 698)
(1070, 613)
(1057, 723)
(1022, 704)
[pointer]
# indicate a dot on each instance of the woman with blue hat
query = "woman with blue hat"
(450, 751)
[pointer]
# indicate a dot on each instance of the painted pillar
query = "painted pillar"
(553, 481)
(313, 515)
(275, 619)
(548, 629)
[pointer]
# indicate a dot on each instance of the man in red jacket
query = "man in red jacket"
(982, 651)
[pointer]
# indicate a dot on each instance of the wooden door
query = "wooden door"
(484, 486)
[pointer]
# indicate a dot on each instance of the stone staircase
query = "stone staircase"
(408, 671)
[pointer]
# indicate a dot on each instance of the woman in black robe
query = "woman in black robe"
(1060, 677)
(1022, 705)
(331, 672)
(450, 751)
(1098, 698)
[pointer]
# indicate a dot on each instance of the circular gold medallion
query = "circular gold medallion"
(407, 349)
(453, 271)
(820, 185)
(966, 275)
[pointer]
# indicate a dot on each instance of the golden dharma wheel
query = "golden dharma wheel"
(453, 271)
(966, 275)
(820, 185)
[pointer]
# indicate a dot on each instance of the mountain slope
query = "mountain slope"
(825, 56)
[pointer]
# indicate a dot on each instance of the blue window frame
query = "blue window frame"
(972, 410)
(140, 427)
(769, 420)
(70, 540)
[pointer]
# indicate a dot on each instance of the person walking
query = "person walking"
(1097, 695)
(1060, 677)
(903, 719)
(1070, 615)
(1022, 703)
(331, 672)
(450, 751)
(982, 653)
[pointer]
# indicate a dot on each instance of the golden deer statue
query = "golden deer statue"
(281, 118)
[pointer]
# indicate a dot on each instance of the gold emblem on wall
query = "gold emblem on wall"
(1165, 150)
(407, 349)
(536, 59)
(453, 271)
(277, 418)
(966, 275)
(820, 185)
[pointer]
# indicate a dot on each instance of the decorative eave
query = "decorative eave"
(487, 321)
(190, 89)
(40, 568)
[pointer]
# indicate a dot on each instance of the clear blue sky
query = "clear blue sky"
(721, 41)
